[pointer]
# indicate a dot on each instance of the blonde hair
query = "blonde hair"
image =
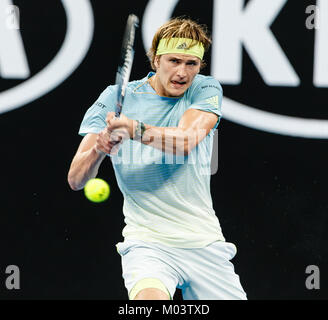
(180, 27)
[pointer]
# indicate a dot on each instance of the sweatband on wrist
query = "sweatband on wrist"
(139, 131)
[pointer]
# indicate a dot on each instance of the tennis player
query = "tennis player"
(161, 149)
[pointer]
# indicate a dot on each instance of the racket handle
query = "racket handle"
(118, 110)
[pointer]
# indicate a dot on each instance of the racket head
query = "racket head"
(126, 60)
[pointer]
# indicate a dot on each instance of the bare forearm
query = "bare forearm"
(85, 166)
(192, 128)
(172, 140)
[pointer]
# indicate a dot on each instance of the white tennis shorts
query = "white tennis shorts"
(201, 273)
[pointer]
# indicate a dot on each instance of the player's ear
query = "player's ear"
(200, 65)
(156, 62)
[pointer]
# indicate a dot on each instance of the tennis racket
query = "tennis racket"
(126, 61)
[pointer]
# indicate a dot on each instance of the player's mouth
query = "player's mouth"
(178, 84)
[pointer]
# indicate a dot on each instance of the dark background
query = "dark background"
(269, 192)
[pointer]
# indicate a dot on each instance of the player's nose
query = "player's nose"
(182, 72)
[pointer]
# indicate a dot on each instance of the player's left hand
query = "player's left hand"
(121, 128)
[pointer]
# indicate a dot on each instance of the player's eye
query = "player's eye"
(192, 63)
(174, 60)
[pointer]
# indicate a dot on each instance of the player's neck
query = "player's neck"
(154, 85)
(151, 82)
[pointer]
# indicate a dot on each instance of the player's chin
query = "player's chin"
(177, 92)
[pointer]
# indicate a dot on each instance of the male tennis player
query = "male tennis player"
(160, 150)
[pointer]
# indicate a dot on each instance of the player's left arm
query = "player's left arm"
(193, 127)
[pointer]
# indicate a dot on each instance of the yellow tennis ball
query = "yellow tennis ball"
(97, 190)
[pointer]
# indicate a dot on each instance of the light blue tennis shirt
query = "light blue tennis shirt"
(167, 197)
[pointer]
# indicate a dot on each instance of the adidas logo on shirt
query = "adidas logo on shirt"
(214, 101)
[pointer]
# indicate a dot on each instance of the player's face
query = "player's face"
(175, 73)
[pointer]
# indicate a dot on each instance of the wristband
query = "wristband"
(140, 129)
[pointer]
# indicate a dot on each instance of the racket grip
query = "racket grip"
(118, 111)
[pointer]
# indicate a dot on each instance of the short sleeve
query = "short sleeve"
(94, 119)
(207, 96)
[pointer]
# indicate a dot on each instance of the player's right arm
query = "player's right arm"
(90, 154)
